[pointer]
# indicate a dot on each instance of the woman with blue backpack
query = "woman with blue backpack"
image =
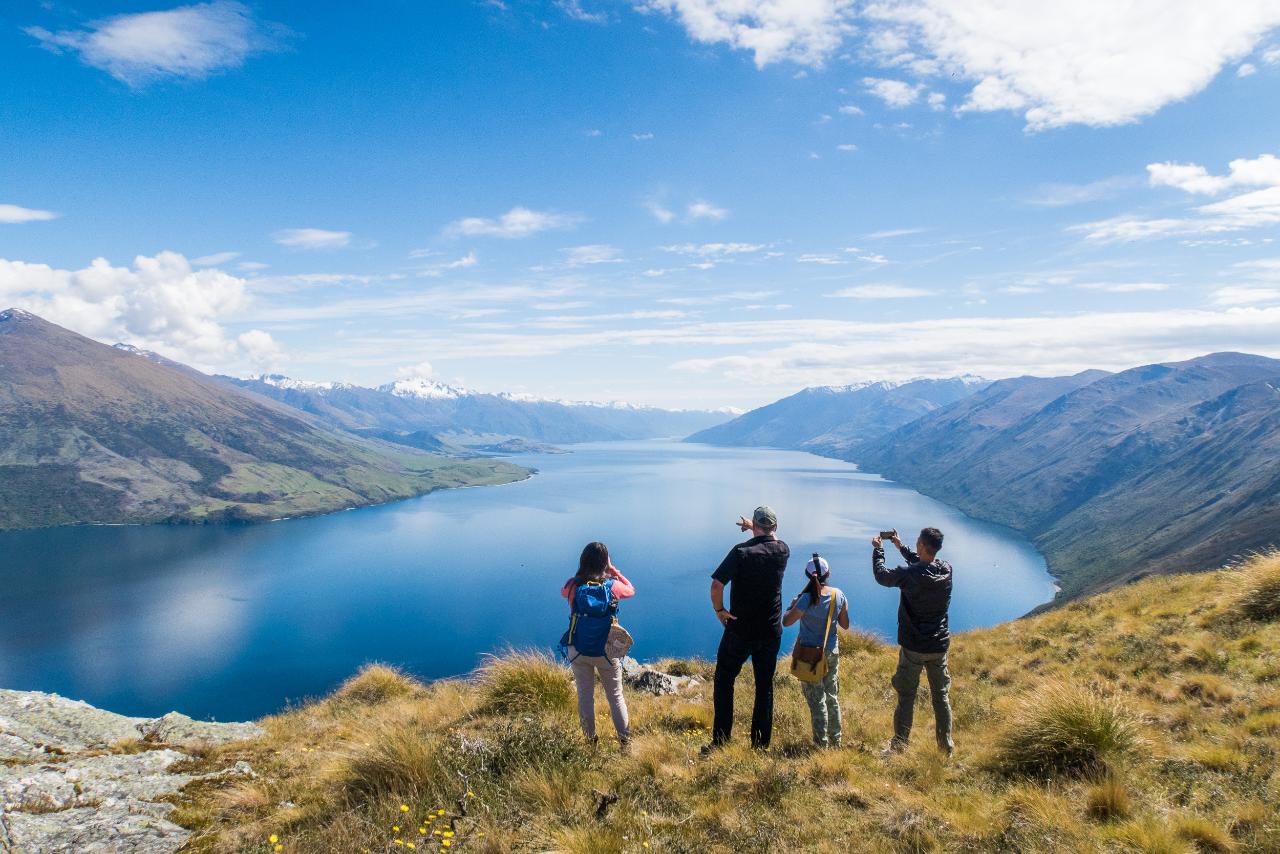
(593, 594)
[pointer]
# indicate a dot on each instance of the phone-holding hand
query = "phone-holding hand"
(743, 524)
(613, 570)
(897, 541)
(875, 541)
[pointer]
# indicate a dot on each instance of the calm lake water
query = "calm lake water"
(234, 622)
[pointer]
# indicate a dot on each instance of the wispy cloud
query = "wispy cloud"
(596, 253)
(1064, 195)
(215, 259)
(516, 223)
(713, 250)
(12, 214)
(881, 292)
(188, 41)
(574, 9)
(705, 210)
(312, 238)
(804, 32)
(895, 93)
(895, 232)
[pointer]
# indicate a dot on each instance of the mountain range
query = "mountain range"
(1161, 468)
(420, 410)
(91, 433)
(831, 419)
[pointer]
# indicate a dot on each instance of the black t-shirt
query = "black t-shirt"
(753, 570)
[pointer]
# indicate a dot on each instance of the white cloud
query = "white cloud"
(706, 210)
(1093, 62)
(642, 137)
(597, 253)
(12, 214)
(1271, 56)
(895, 93)
(1261, 171)
(881, 292)
(713, 250)
(160, 304)
(420, 371)
(894, 232)
(262, 351)
(851, 110)
(819, 258)
(252, 266)
(214, 260)
(573, 9)
(1246, 69)
(937, 101)
(1254, 209)
(516, 223)
(188, 41)
(803, 31)
(311, 238)
(662, 214)
(1047, 345)
(1124, 287)
(1244, 295)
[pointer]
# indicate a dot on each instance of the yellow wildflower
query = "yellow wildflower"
(470, 794)
(410, 845)
(273, 839)
(404, 808)
(448, 834)
(279, 847)
(445, 844)
(439, 812)
(395, 828)
(422, 831)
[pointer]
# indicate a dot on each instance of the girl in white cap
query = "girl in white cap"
(813, 608)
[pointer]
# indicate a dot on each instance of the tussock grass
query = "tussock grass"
(1063, 728)
(525, 682)
(1144, 719)
(378, 683)
(1258, 582)
(1109, 800)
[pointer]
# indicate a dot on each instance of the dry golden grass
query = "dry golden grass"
(1166, 684)
(1259, 583)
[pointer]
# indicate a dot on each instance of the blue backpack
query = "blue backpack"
(594, 607)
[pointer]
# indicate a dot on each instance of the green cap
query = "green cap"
(765, 517)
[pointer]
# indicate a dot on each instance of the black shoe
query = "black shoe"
(708, 749)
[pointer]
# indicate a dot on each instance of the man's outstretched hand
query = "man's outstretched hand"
(744, 524)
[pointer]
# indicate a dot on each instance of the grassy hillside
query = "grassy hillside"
(90, 433)
(1145, 719)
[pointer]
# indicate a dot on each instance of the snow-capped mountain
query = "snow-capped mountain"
(418, 406)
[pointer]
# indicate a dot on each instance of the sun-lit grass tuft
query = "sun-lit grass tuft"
(1063, 728)
(525, 682)
(1108, 800)
(378, 683)
(1203, 834)
(1259, 587)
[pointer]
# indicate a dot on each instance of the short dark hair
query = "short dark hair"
(593, 565)
(932, 538)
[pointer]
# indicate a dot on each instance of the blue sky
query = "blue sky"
(677, 202)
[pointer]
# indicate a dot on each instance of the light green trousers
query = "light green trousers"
(824, 704)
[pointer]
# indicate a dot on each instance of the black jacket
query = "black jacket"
(926, 595)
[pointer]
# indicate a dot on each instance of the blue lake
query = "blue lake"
(235, 622)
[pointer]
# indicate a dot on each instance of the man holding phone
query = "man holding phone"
(752, 623)
(923, 635)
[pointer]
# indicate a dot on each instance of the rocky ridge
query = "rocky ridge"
(77, 778)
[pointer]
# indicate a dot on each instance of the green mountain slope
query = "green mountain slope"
(90, 433)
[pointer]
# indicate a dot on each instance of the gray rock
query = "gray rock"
(33, 723)
(59, 792)
(176, 728)
(109, 828)
(658, 683)
(630, 666)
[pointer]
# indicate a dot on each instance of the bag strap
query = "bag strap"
(831, 612)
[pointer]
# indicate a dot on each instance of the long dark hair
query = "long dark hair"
(594, 563)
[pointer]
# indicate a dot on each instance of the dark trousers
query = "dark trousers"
(733, 653)
(907, 679)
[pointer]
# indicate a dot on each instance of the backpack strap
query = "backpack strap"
(831, 612)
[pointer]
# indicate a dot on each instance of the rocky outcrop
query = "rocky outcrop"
(66, 784)
(638, 677)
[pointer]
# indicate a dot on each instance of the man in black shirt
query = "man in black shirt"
(752, 623)
(923, 635)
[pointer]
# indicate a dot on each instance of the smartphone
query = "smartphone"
(888, 535)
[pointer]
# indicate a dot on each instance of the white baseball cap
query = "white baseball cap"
(822, 570)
